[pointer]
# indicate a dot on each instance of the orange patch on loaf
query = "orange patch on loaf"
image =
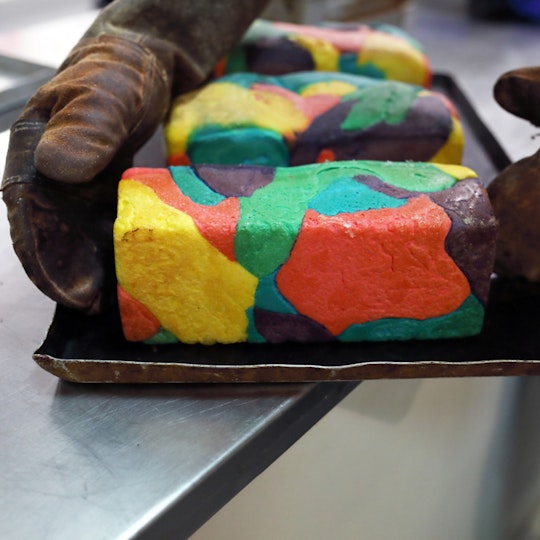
(364, 266)
(138, 322)
(326, 154)
(178, 159)
(318, 104)
(219, 70)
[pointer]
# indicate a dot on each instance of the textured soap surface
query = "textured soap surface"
(310, 117)
(344, 251)
(379, 51)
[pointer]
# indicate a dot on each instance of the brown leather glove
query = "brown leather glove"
(79, 132)
(518, 91)
(515, 192)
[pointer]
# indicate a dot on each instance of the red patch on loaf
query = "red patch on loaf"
(138, 321)
(369, 265)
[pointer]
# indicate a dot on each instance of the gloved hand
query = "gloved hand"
(515, 192)
(67, 150)
(79, 132)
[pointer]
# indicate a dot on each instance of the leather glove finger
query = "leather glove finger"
(66, 154)
(111, 96)
(518, 92)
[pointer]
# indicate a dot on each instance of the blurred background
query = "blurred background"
(16, 13)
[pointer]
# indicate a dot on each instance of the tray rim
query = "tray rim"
(149, 371)
(126, 371)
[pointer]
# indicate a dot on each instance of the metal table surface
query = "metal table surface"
(122, 461)
(101, 461)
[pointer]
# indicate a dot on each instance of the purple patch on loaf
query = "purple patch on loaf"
(247, 179)
(422, 133)
(470, 241)
(280, 327)
(278, 56)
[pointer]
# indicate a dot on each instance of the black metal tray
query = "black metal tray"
(92, 349)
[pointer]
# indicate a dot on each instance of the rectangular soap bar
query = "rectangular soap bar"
(348, 251)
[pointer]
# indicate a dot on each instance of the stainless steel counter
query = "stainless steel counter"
(104, 462)
(121, 461)
(114, 461)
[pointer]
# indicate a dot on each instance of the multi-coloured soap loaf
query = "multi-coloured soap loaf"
(378, 51)
(342, 251)
(310, 117)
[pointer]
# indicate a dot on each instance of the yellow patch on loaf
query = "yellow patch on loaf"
(459, 172)
(324, 54)
(244, 107)
(163, 261)
(391, 56)
(452, 150)
(332, 88)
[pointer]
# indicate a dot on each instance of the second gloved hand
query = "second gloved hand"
(515, 192)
